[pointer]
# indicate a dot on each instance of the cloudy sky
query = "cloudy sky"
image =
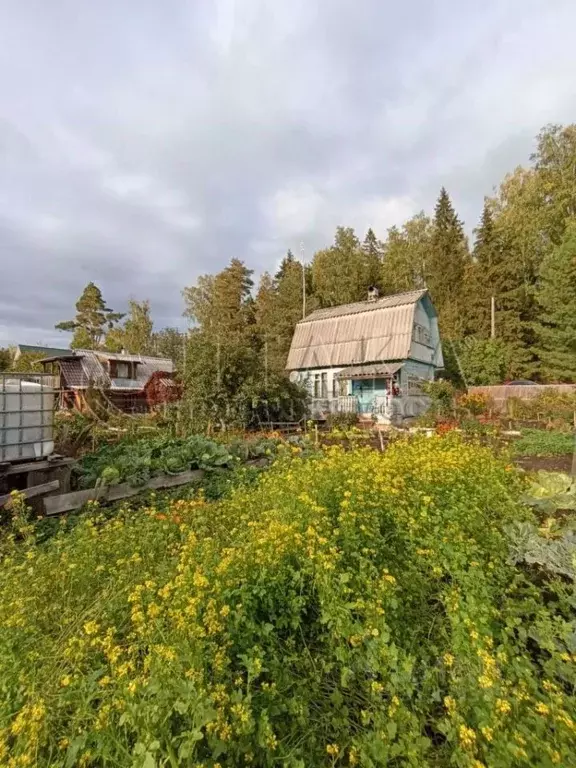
(143, 143)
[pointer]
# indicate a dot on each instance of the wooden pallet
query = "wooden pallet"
(35, 479)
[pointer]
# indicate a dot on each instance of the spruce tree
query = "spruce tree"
(447, 265)
(481, 279)
(372, 249)
(93, 319)
(556, 325)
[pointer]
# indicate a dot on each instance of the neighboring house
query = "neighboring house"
(132, 383)
(31, 349)
(370, 357)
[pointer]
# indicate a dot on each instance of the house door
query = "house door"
(363, 390)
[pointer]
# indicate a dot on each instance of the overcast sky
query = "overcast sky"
(146, 142)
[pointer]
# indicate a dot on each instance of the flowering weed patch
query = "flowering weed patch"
(353, 608)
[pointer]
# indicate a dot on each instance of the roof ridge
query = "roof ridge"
(366, 305)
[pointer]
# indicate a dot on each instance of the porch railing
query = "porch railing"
(327, 405)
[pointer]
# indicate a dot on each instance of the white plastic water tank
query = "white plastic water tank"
(26, 418)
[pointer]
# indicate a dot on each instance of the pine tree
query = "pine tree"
(556, 326)
(372, 249)
(93, 319)
(447, 265)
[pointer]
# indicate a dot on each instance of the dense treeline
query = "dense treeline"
(522, 258)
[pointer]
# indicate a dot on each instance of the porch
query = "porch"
(378, 391)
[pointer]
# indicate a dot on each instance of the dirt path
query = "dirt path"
(547, 463)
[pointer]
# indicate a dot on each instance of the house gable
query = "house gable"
(390, 329)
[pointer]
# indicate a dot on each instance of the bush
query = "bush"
(354, 608)
(476, 403)
(548, 404)
(442, 394)
(342, 420)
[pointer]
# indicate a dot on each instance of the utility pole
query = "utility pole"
(492, 317)
(303, 281)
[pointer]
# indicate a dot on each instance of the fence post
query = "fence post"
(574, 451)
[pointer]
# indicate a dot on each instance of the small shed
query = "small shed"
(124, 378)
(369, 357)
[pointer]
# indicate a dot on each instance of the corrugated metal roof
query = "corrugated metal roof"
(395, 300)
(87, 368)
(376, 333)
(369, 371)
(126, 358)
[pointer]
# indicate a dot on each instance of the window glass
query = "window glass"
(123, 370)
(316, 385)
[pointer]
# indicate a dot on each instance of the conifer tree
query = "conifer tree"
(481, 278)
(93, 319)
(556, 325)
(447, 265)
(343, 273)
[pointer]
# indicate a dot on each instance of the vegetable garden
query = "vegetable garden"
(348, 607)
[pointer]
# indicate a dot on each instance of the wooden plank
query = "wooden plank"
(35, 490)
(55, 505)
(36, 466)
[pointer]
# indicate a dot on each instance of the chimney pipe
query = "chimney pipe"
(373, 293)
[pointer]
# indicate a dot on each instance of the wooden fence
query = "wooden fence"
(501, 394)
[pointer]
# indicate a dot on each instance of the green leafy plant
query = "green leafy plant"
(352, 608)
(540, 442)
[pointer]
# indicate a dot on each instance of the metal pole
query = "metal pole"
(303, 282)
(492, 318)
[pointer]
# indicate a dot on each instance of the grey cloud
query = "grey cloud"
(144, 143)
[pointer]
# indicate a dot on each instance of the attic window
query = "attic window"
(421, 335)
(120, 369)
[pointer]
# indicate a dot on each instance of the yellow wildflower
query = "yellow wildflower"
(91, 627)
(467, 737)
(448, 659)
(503, 706)
(333, 750)
(542, 709)
(487, 732)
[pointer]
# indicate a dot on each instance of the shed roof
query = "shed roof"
(369, 371)
(33, 349)
(355, 334)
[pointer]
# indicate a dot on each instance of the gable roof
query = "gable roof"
(355, 334)
(88, 368)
